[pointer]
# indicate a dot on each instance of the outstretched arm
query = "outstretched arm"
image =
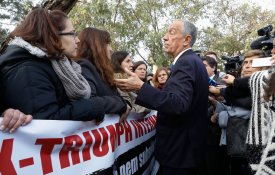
(133, 83)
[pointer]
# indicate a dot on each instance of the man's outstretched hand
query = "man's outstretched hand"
(133, 83)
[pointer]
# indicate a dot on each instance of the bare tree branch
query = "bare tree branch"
(116, 11)
(141, 56)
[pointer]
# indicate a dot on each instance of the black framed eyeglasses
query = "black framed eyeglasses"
(74, 34)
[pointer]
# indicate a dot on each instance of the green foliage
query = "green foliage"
(3, 34)
(234, 27)
(136, 24)
(11, 11)
(14, 9)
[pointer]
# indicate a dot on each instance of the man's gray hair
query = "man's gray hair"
(190, 29)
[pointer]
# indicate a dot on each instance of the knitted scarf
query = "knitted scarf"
(261, 132)
(69, 72)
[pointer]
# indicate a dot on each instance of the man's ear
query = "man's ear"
(187, 40)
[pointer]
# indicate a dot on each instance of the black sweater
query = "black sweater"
(112, 101)
(238, 94)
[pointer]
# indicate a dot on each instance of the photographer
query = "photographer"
(238, 99)
(211, 67)
(215, 56)
(238, 87)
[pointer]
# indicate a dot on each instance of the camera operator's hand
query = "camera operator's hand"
(228, 79)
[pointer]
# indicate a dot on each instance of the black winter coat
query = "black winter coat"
(239, 94)
(30, 84)
(113, 102)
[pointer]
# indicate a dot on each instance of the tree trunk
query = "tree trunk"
(64, 5)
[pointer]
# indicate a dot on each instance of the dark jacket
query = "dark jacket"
(238, 94)
(30, 84)
(113, 103)
(181, 128)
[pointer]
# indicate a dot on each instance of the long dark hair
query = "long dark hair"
(93, 47)
(40, 28)
(117, 59)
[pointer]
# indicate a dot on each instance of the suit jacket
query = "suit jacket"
(181, 128)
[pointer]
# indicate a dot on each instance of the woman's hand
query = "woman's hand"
(13, 119)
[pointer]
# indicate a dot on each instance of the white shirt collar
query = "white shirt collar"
(177, 57)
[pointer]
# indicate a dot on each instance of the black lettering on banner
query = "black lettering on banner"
(135, 160)
(130, 167)
(146, 155)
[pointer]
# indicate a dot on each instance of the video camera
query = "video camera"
(232, 64)
(265, 42)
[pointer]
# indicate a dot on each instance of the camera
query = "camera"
(232, 64)
(265, 41)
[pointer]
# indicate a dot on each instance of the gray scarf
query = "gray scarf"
(69, 72)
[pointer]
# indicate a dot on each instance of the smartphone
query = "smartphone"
(261, 62)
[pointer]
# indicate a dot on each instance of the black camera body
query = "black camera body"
(233, 64)
(265, 41)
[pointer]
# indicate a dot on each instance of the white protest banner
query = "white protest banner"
(82, 148)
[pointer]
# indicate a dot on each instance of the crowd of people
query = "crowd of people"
(49, 72)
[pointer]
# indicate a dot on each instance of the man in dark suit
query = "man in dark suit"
(181, 126)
